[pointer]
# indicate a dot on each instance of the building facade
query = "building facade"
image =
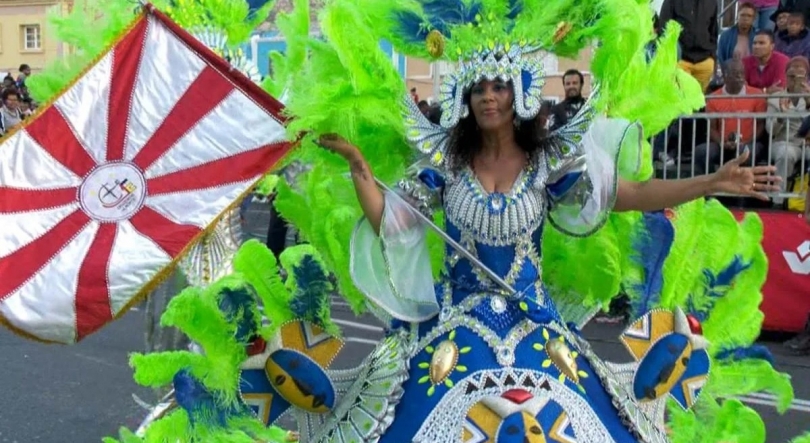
(24, 34)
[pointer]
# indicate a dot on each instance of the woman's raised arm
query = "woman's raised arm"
(371, 198)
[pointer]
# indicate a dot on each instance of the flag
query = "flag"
(102, 192)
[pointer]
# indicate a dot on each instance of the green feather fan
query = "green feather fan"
(303, 295)
(805, 438)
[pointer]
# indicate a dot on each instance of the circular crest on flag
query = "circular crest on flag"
(113, 192)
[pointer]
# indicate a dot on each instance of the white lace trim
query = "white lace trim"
(447, 421)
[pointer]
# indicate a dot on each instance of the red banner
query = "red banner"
(786, 295)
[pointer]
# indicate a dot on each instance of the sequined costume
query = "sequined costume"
(482, 364)
(464, 358)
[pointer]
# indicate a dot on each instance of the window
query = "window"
(31, 37)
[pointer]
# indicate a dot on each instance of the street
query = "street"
(81, 393)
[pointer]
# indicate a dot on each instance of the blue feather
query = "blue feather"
(311, 298)
(758, 352)
(239, 306)
(202, 406)
(515, 8)
(440, 15)
(652, 247)
(255, 5)
(717, 286)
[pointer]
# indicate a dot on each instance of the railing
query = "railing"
(727, 13)
(692, 151)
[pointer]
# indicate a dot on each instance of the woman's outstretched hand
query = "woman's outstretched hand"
(756, 181)
(340, 146)
(371, 198)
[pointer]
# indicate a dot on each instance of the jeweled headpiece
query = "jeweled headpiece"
(506, 62)
(485, 40)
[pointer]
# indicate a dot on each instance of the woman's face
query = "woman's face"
(491, 103)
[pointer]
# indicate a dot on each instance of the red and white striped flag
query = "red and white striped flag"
(106, 188)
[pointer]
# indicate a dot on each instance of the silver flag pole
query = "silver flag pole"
(455, 245)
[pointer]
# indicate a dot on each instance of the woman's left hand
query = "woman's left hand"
(756, 181)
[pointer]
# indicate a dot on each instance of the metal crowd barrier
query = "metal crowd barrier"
(687, 149)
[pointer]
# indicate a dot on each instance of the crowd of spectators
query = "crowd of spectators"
(763, 70)
(16, 104)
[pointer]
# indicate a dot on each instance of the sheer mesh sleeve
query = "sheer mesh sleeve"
(582, 194)
(393, 269)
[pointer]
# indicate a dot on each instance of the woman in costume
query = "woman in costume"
(483, 354)
(501, 181)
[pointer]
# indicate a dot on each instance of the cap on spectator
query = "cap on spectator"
(801, 61)
(779, 10)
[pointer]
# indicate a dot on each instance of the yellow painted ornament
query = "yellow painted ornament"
(563, 28)
(443, 361)
(562, 357)
(435, 43)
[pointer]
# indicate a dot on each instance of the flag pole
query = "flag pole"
(455, 245)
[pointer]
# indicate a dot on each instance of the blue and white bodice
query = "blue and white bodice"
(503, 230)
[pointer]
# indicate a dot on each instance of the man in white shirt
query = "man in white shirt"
(786, 146)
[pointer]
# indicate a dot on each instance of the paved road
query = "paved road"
(81, 393)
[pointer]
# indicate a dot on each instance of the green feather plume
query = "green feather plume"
(89, 29)
(233, 17)
(804, 438)
(295, 27)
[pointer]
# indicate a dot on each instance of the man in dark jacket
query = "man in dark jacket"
(573, 81)
(698, 39)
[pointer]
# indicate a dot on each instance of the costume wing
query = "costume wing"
(428, 138)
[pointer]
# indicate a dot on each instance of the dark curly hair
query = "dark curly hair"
(465, 139)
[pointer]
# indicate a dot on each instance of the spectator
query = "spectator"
(795, 40)
(434, 114)
(780, 19)
(25, 72)
(8, 82)
(27, 107)
(765, 68)
(652, 45)
(800, 344)
(414, 95)
(698, 38)
(730, 136)
(573, 81)
(764, 9)
(802, 6)
(786, 145)
(736, 41)
(424, 107)
(10, 111)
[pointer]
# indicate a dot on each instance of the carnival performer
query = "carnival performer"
(488, 348)
(495, 197)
